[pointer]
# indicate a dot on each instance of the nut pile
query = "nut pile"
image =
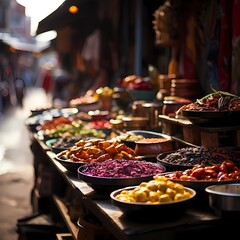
(192, 156)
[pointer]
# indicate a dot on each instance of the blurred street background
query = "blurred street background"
(16, 163)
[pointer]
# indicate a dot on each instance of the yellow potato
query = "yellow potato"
(170, 184)
(179, 188)
(162, 185)
(159, 178)
(140, 196)
(153, 197)
(179, 196)
(171, 192)
(152, 186)
(164, 198)
(158, 190)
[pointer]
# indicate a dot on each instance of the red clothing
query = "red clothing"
(47, 81)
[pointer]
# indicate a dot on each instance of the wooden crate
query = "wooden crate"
(201, 136)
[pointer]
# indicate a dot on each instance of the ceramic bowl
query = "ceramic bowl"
(153, 146)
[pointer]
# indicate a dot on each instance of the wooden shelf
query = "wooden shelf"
(63, 211)
(202, 136)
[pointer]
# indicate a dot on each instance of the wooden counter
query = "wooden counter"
(198, 221)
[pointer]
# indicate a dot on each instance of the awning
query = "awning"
(84, 18)
(23, 43)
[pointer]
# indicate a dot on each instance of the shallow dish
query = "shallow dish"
(39, 110)
(149, 134)
(70, 165)
(112, 183)
(199, 185)
(169, 209)
(69, 111)
(63, 143)
(212, 118)
(170, 167)
(144, 134)
(190, 156)
(66, 112)
(224, 197)
(51, 142)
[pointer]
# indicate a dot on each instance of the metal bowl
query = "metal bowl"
(224, 197)
(127, 137)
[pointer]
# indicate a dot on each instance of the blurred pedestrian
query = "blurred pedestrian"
(45, 79)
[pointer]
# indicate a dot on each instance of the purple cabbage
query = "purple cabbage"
(121, 168)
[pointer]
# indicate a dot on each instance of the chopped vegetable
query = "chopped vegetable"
(121, 168)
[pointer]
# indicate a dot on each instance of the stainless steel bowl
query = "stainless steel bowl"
(224, 197)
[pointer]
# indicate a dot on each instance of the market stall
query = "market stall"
(66, 195)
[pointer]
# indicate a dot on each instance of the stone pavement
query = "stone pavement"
(16, 164)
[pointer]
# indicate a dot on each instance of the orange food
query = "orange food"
(51, 124)
(219, 172)
(97, 150)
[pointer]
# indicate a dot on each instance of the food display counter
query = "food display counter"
(199, 220)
